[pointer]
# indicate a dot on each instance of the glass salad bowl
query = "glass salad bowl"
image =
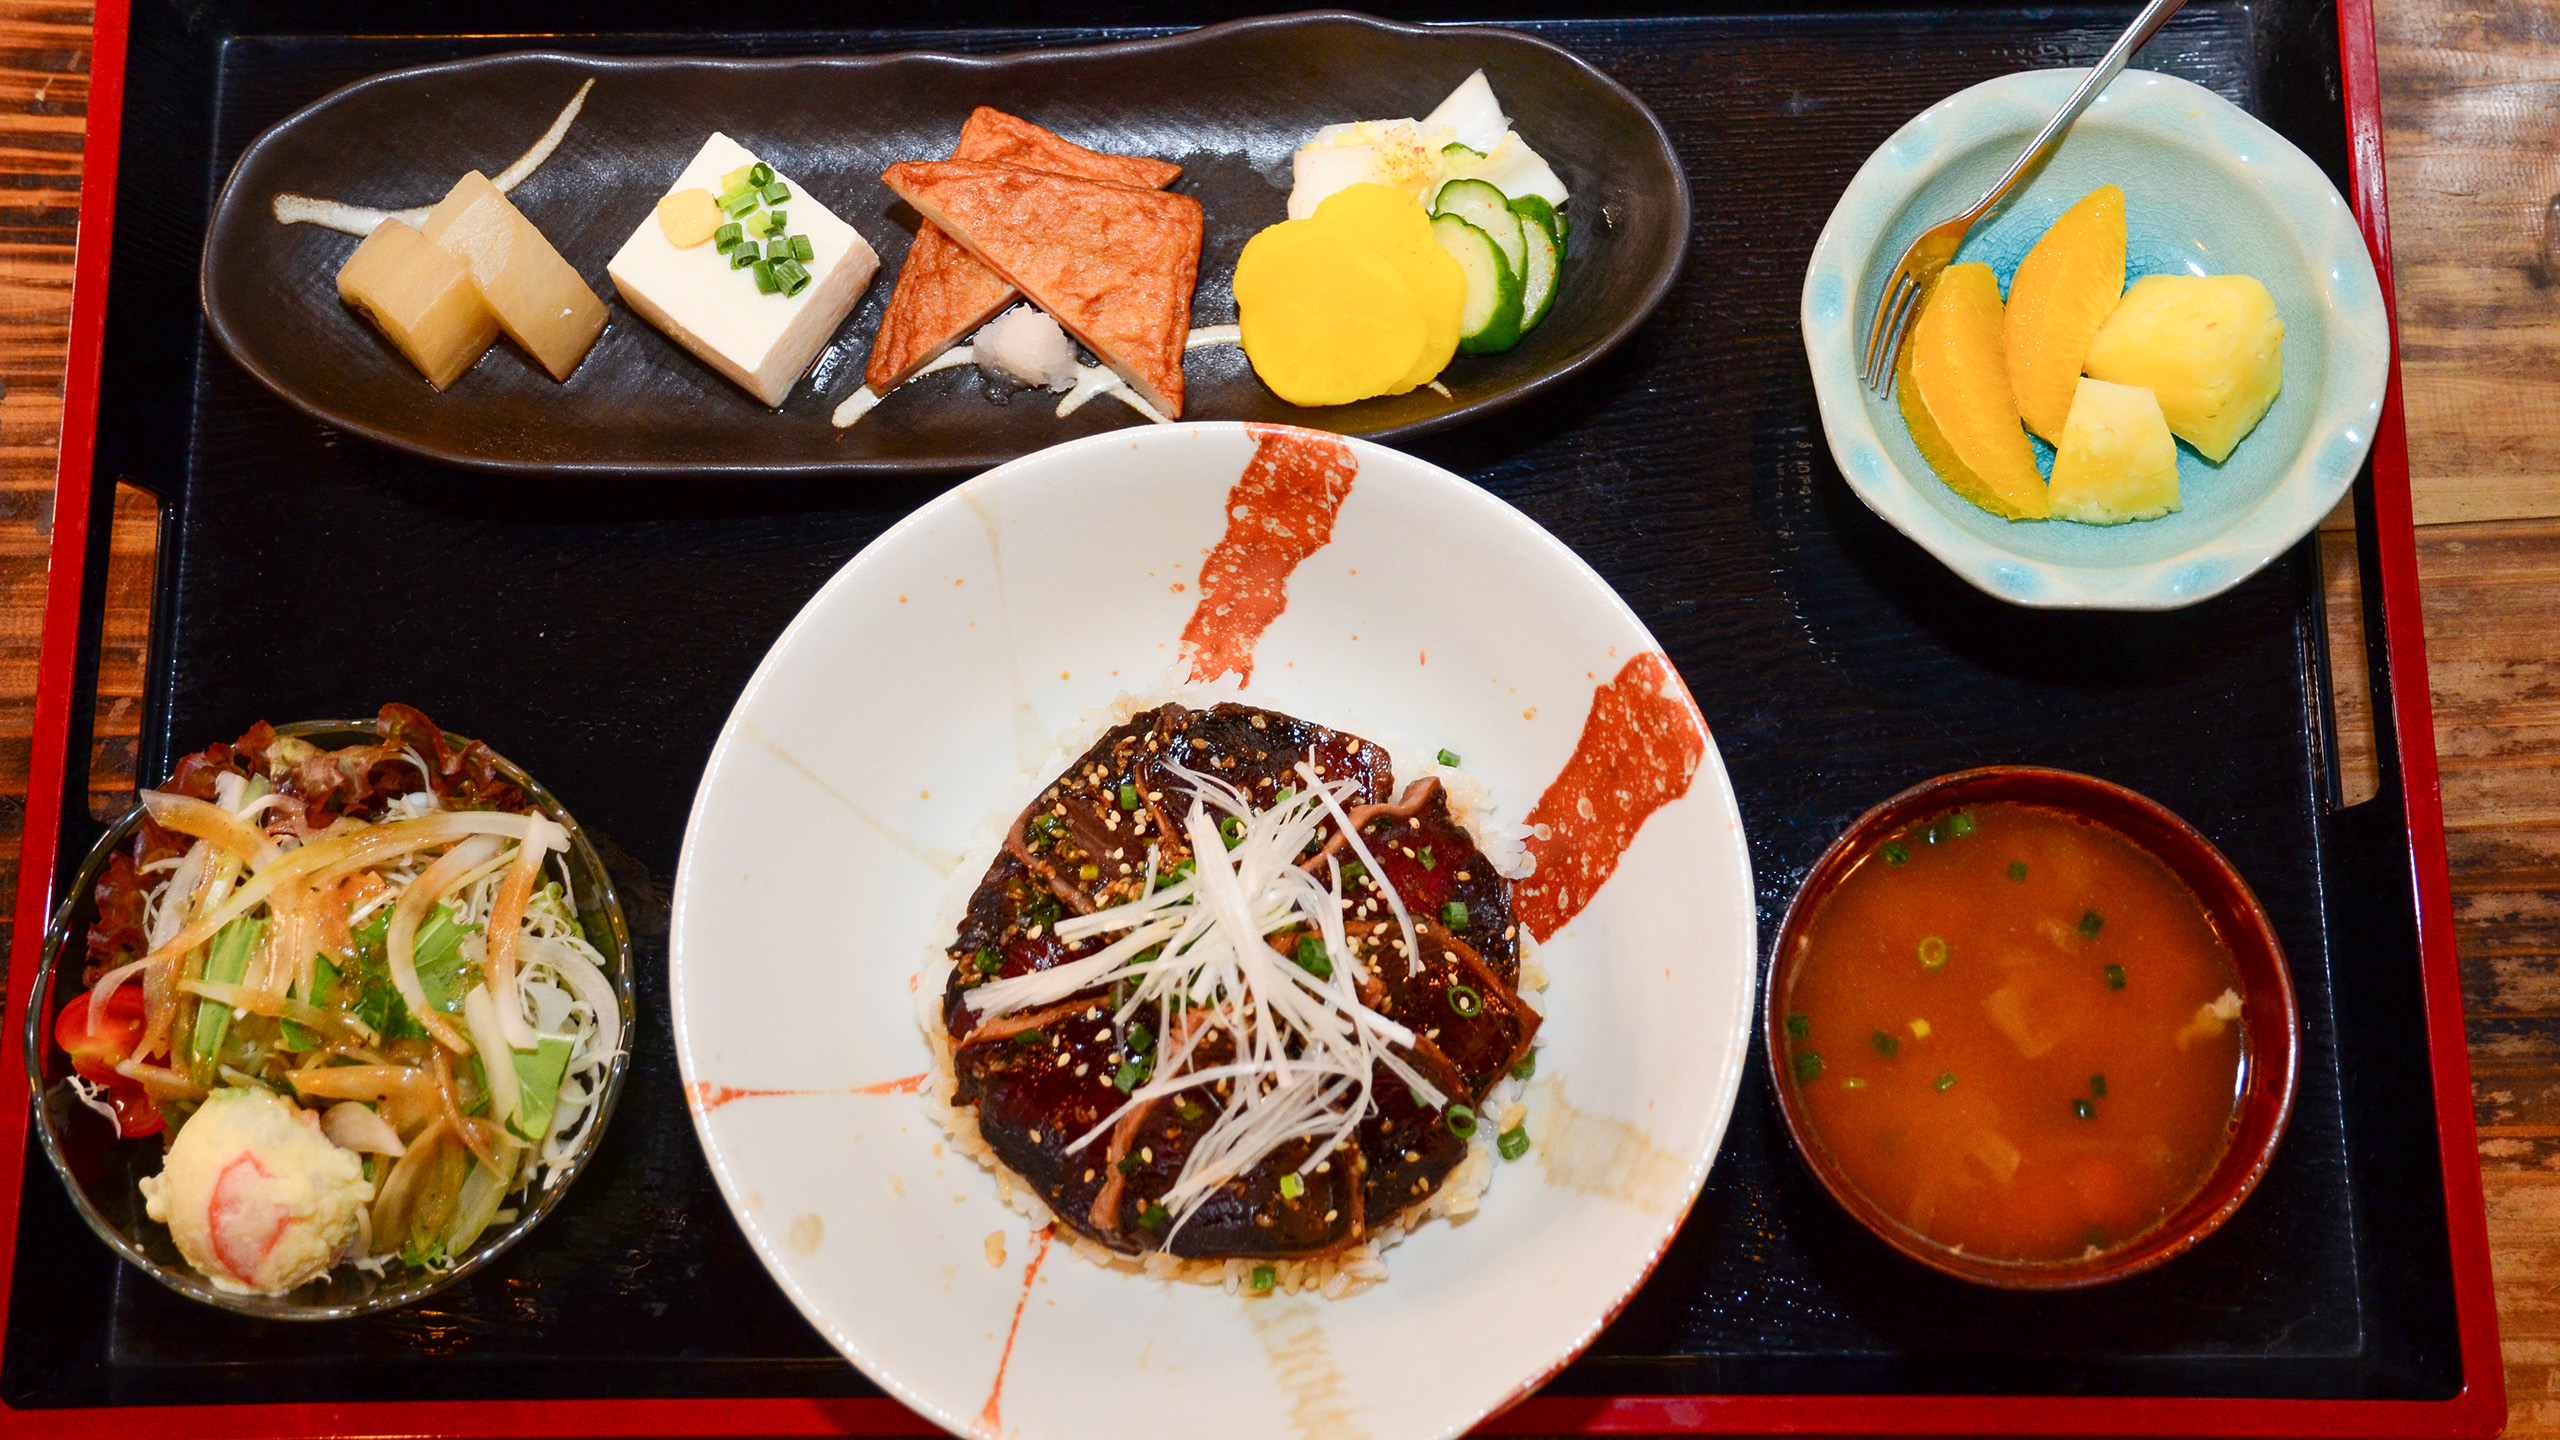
(103, 1171)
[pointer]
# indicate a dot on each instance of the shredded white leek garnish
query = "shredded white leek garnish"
(360, 220)
(1196, 956)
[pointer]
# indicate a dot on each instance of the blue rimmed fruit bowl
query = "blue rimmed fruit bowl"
(2209, 191)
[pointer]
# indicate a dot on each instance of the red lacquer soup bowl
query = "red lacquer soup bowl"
(1992, 1145)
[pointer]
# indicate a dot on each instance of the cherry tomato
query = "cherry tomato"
(94, 1052)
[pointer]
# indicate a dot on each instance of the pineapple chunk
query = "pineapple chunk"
(2211, 347)
(539, 300)
(2116, 461)
(421, 298)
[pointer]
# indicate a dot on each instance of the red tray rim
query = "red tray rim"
(2478, 1409)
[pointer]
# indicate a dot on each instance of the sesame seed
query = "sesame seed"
(1146, 1154)
(1035, 1137)
(1081, 1070)
(1332, 1215)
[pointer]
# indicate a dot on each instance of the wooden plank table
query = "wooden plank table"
(2471, 102)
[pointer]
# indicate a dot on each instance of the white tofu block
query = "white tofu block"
(763, 342)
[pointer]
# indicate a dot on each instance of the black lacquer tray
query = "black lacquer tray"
(598, 631)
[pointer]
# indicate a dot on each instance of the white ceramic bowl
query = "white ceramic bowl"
(924, 690)
(2208, 190)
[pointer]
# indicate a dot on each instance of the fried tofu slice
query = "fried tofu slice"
(1114, 264)
(944, 294)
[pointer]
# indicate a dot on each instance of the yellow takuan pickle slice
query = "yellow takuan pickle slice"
(538, 298)
(2064, 290)
(1396, 228)
(1959, 375)
(421, 298)
(1325, 320)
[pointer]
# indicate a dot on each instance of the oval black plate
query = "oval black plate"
(1229, 103)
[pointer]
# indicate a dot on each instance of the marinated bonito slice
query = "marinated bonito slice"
(1220, 969)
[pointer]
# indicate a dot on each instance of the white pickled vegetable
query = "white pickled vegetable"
(1471, 115)
(1512, 168)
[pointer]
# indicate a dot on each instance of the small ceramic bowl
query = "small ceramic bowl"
(103, 1172)
(2270, 1031)
(2208, 190)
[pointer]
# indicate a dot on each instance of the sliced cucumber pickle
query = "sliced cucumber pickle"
(1546, 258)
(1490, 322)
(1486, 208)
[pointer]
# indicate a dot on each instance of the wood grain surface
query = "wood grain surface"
(2472, 109)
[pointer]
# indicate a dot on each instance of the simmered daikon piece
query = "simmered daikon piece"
(538, 298)
(421, 299)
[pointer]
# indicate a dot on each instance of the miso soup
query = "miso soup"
(2017, 1033)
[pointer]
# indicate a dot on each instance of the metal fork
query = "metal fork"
(1899, 303)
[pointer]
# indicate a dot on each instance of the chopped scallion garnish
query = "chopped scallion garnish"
(1513, 1143)
(1129, 1163)
(1128, 796)
(989, 962)
(1132, 1071)
(1265, 1276)
(759, 174)
(766, 282)
(1311, 957)
(1465, 1000)
(1461, 1121)
(744, 256)
(737, 178)
(1808, 1068)
(1151, 1216)
(1427, 862)
(2098, 1086)
(2115, 977)
(1231, 830)
(1896, 853)
(1933, 953)
(1449, 758)
(1291, 1187)
(1527, 1067)
(1088, 871)
(1799, 1027)
(2017, 869)
(1962, 824)
(781, 220)
(776, 193)
(726, 238)
(1885, 1044)
(1945, 1082)
(802, 250)
(1454, 915)
(2084, 1109)
(2090, 923)
(739, 202)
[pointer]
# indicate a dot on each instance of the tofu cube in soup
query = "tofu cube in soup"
(537, 296)
(421, 298)
(759, 304)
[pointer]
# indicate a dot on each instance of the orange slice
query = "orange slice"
(2064, 290)
(1956, 380)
